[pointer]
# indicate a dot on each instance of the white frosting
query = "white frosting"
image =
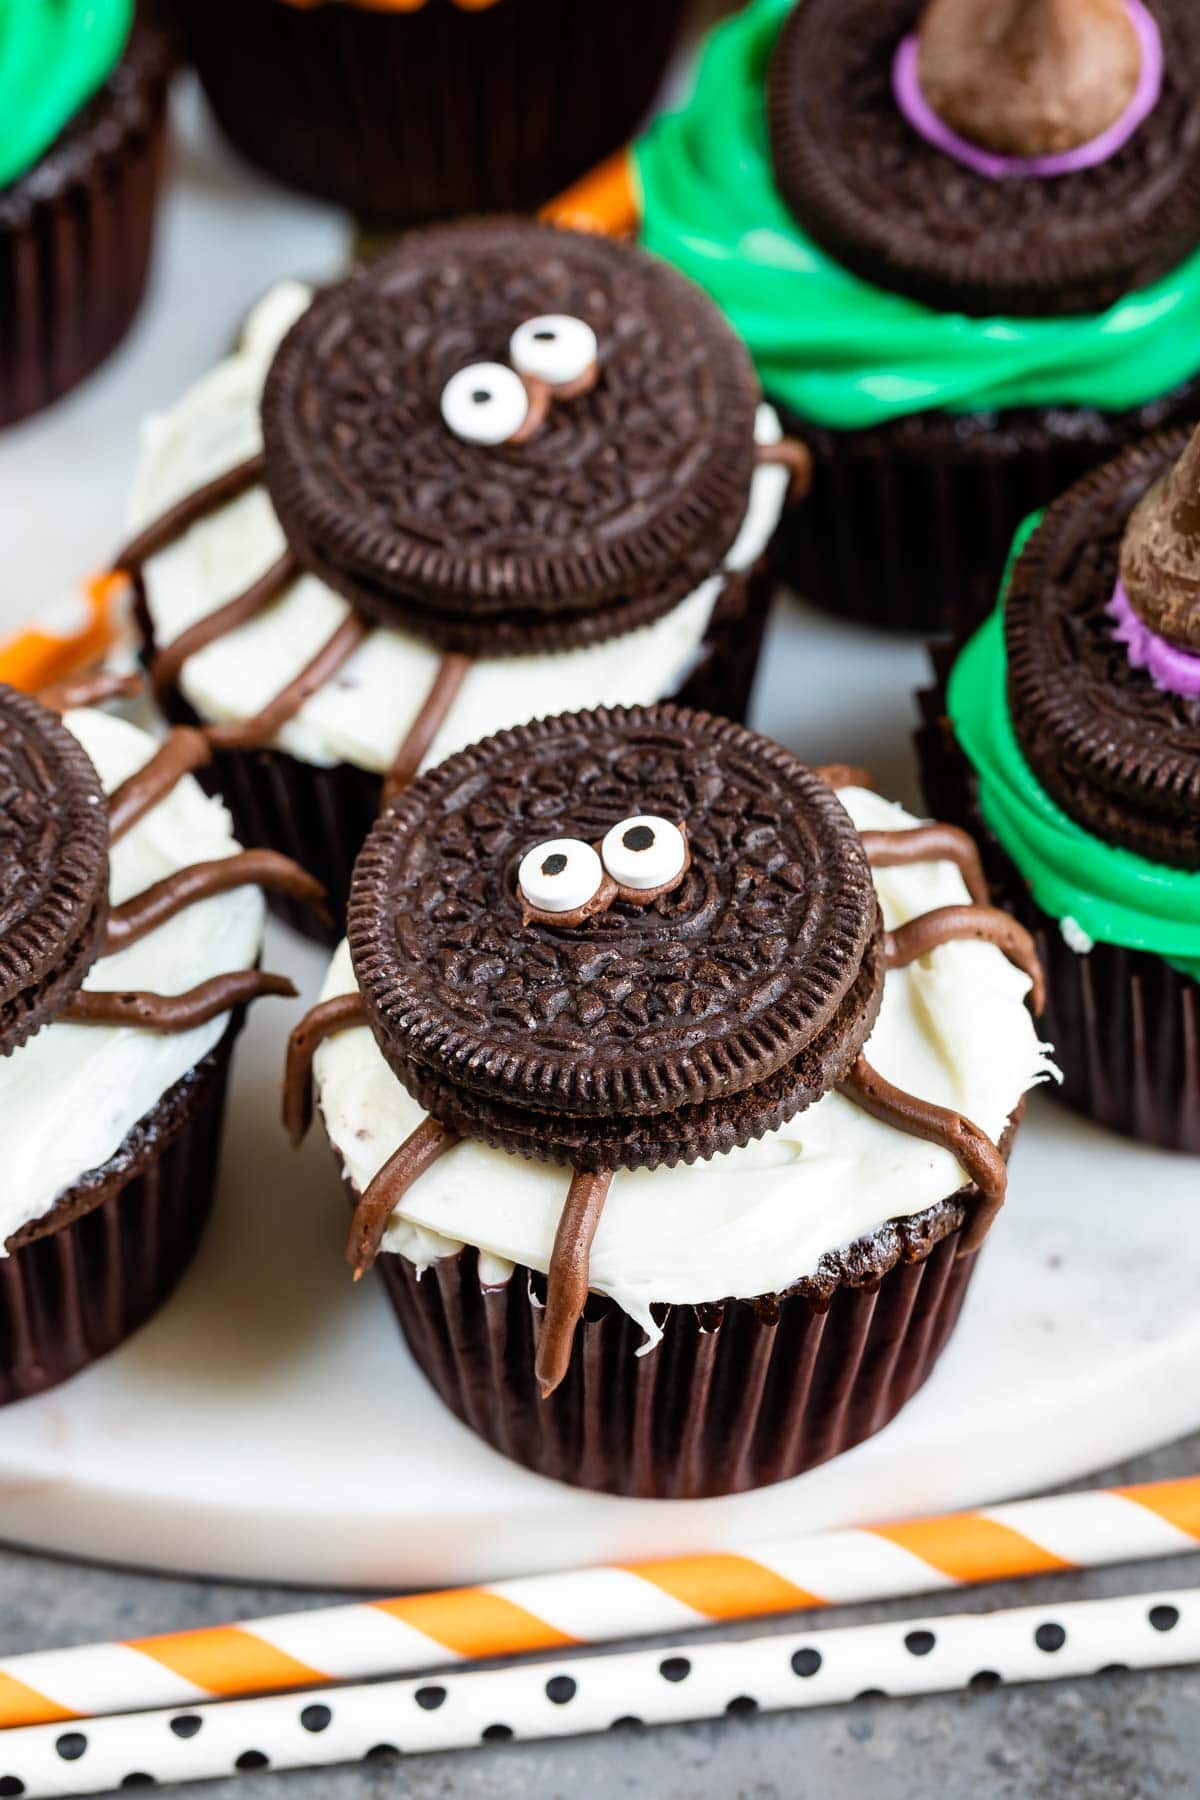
(953, 1028)
(69, 1096)
(362, 716)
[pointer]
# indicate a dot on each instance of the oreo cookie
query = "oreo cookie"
(511, 438)
(903, 213)
(1120, 754)
(53, 866)
(662, 1027)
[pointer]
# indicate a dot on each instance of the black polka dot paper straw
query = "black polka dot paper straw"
(572, 1696)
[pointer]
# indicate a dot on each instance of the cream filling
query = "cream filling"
(362, 716)
(953, 1028)
(70, 1095)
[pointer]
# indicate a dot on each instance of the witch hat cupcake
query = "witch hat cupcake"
(627, 1040)
(962, 241)
(501, 470)
(130, 931)
(1069, 734)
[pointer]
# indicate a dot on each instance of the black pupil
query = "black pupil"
(554, 865)
(545, 337)
(638, 837)
(481, 396)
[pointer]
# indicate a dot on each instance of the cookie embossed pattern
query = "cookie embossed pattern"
(593, 1028)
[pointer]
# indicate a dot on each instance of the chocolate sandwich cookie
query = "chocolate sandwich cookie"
(53, 867)
(482, 438)
(105, 1198)
(1026, 80)
(1114, 749)
(655, 1031)
(505, 467)
(620, 954)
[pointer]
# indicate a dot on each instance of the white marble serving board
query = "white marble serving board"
(269, 1424)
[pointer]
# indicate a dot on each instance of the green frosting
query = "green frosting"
(833, 347)
(54, 54)
(1115, 896)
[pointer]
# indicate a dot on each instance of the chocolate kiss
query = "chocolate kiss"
(1160, 553)
(1028, 77)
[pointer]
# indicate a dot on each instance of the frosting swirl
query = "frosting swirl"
(54, 54)
(1113, 895)
(837, 349)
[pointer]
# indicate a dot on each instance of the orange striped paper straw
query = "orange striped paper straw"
(594, 1606)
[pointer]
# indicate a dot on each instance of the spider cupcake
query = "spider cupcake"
(961, 240)
(1068, 737)
(130, 933)
(502, 469)
(626, 1044)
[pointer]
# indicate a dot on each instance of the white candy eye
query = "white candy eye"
(559, 875)
(646, 852)
(555, 348)
(485, 403)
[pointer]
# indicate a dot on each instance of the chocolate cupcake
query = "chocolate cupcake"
(129, 936)
(501, 470)
(675, 1134)
(1068, 737)
(962, 240)
(417, 110)
(82, 117)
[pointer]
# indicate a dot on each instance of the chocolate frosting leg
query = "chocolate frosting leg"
(176, 1012)
(795, 457)
(419, 1151)
(324, 1020)
(248, 734)
(180, 753)
(452, 672)
(261, 868)
(567, 1282)
(950, 924)
(930, 843)
(937, 1125)
(238, 611)
(187, 512)
(89, 690)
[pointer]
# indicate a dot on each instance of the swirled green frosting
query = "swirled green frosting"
(832, 346)
(1113, 895)
(54, 54)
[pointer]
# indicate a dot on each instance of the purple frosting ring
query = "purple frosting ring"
(1171, 669)
(906, 87)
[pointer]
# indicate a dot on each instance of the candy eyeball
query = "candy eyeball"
(485, 403)
(554, 348)
(645, 852)
(560, 875)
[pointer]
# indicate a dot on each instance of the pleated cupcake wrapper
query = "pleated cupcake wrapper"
(73, 266)
(321, 816)
(413, 115)
(909, 524)
(1125, 1024)
(736, 1396)
(73, 1295)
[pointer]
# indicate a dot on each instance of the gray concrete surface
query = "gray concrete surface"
(1115, 1737)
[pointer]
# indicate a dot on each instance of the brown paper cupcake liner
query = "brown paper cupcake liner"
(76, 234)
(414, 115)
(321, 816)
(736, 1396)
(909, 524)
(1124, 1024)
(80, 1280)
